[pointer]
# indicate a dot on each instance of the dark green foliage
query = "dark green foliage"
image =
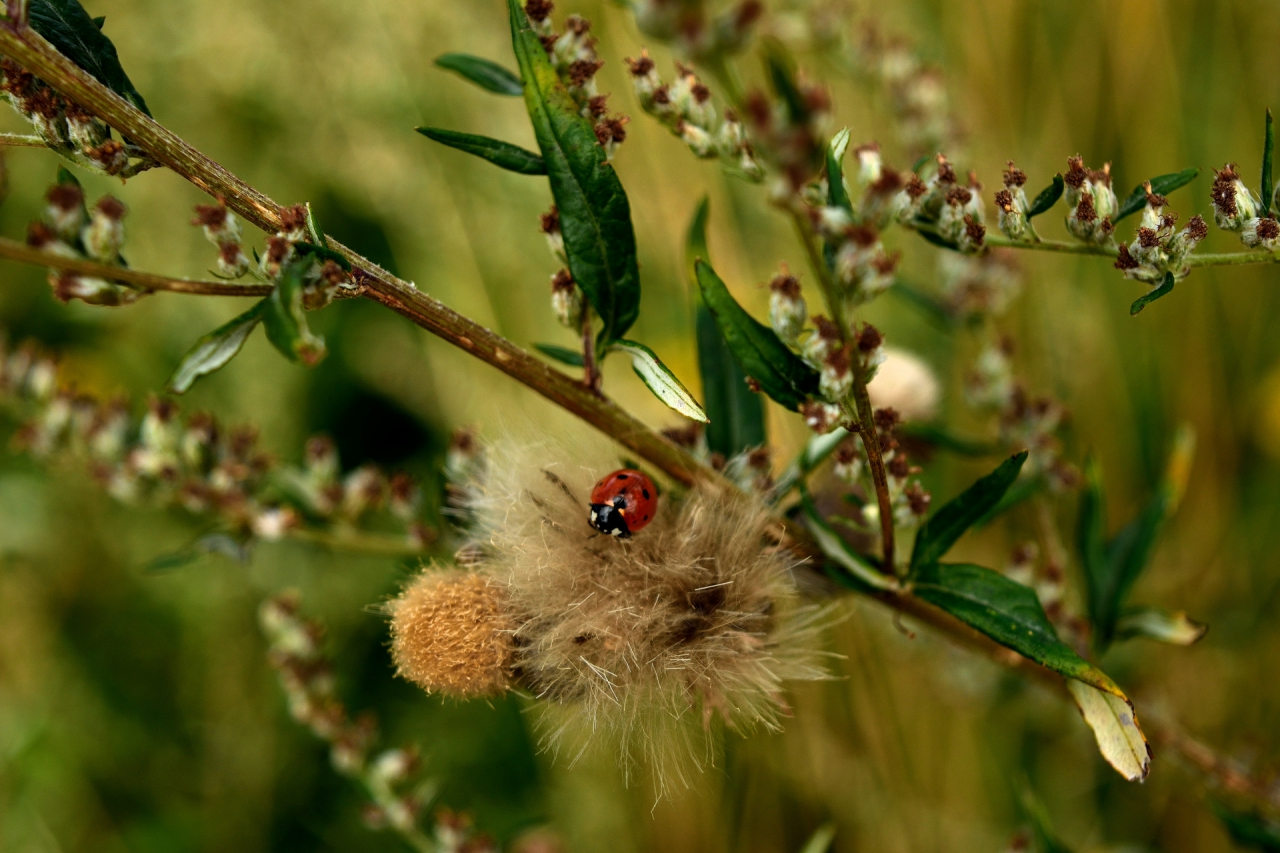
(285, 318)
(949, 523)
(486, 74)
(1165, 288)
(736, 412)
(595, 215)
(513, 158)
(1007, 612)
(1268, 149)
(1047, 198)
(1161, 185)
(564, 355)
(78, 37)
(782, 374)
(1248, 828)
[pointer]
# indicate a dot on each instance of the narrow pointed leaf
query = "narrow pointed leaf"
(945, 439)
(1152, 623)
(937, 239)
(1047, 198)
(564, 355)
(1160, 292)
(595, 215)
(660, 380)
(486, 74)
(323, 253)
(1161, 185)
(950, 522)
(68, 27)
(736, 413)
(821, 839)
(859, 570)
(513, 158)
(782, 74)
(314, 229)
(818, 448)
(1007, 612)
(781, 373)
(1022, 489)
(285, 319)
(836, 194)
(1268, 149)
(215, 349)
(1115, 727)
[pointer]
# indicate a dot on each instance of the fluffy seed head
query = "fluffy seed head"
(451, 633)
(633, 644)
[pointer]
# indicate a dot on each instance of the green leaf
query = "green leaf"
(595, 216)
(821, 839)
(937, 239)
(1161, 185)
(1248, 828)
(513, 158)
(781, 373)
(782, 74)
(1268, 149)
(736, 412)
(1152, 623)
(216, 349)
(323, 253)
(285, 319)
(314, 229)
(1022, 489)
(1115, 728)
(68, 27)
(1111, 570)
(1047, 198)
(836, 194)
(1007, 612)
(949, 523)
(1163, 290)
(858, 570)
(65, 176)
(564, 355)
(660, 380)
(486, 74)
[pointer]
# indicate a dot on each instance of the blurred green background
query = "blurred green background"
(136, 709)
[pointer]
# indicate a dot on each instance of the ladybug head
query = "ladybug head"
(610, 519)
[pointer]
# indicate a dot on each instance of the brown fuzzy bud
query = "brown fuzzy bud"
(210, 215)
(1268, 229)
(65, 197)
(916, 187)
(641, 66)
(1014, 177)
(1085, 211)
(110, 207)
(789, 286)
(1076, 172)
(974, 230)
(1196, 228)
(538, 10)
(887, 418)
(293, 219)
(550, 221)
(946, 172)
(1126, 261)
(582, 70)
(869, 338)
(451, 633)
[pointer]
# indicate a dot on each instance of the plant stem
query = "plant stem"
(1062, 246)
(590, 370)
(15, 251)
(866, 424)
(21, 140)
(1224, 259)
(28, 49)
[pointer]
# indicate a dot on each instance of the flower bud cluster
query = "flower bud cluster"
(69, 229)
(954, 212)
(573, 55)
(1233, 204)
(295, 651)
(862, 266)
(1012, 206)
(1092, 201)
(1160, 249)
(685, 25)
(787, 309)
(686, 109)
(752, 470)
(222, 229)
(979, 286)
(567, 299)
(162, 460)
(909, 500)
(66, 127)
(917, 94)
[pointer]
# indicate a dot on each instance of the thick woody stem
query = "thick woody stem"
(28, 49)
(15, 251)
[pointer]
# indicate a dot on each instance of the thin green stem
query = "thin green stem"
(866, 422)
(15, 251)
(1061, 246)
(21, 140)
(1227, 259)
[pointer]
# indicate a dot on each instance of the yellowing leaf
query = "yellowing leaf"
(1115, 726)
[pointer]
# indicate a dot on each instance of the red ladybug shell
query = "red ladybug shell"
(622, 503)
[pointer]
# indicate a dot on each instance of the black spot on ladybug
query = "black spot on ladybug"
(624, 476)
(645, 492)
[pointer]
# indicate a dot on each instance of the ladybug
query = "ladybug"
(622, 503)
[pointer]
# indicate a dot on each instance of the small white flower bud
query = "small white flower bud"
(104, 234)
(836, 377)
(65, 211)
(870, 163)
(698, 140)
(566, 299)
(1261, 233)
(787, 309)
(820, 417)
(1233, 203)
